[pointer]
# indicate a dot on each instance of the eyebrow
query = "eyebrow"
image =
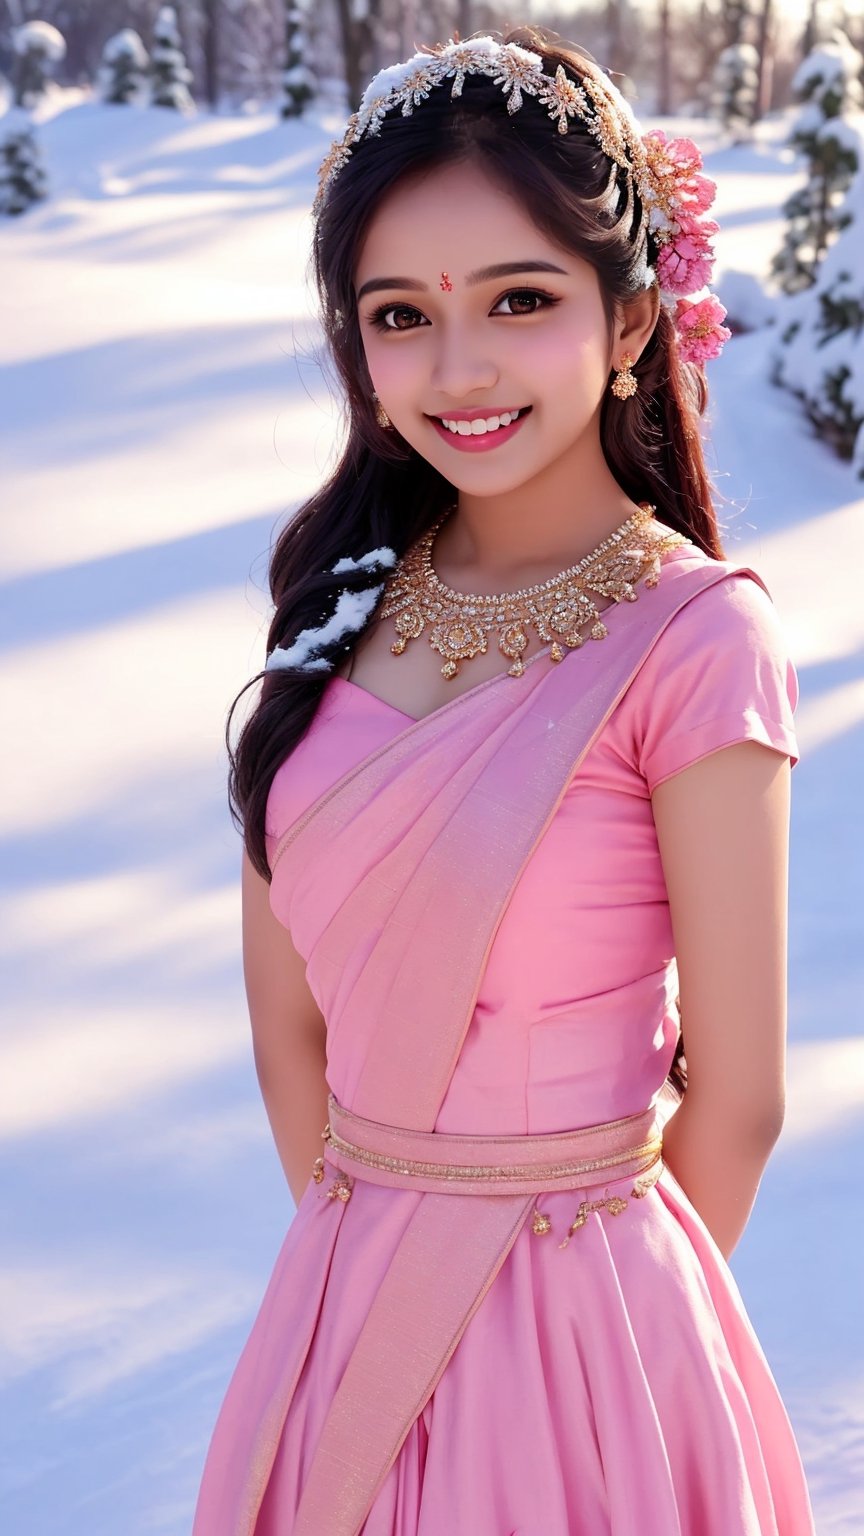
(482, 275)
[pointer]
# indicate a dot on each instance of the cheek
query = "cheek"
(392, 364)
(574, 354)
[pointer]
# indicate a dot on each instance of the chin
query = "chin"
(488, 482)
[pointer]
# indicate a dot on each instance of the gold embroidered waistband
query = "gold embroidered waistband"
(629, 1148)
(514, 1173)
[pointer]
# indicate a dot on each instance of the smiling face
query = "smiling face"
(450, 333)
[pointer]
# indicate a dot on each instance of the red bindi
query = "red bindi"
(446, 283)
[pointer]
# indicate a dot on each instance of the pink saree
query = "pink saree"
(424, 842)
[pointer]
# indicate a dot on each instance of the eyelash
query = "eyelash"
(377, 316)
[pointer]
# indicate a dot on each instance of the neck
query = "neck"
(528, 534)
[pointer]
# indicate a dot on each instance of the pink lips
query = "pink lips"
(483, 441)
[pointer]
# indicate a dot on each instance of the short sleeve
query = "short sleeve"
(720, 672)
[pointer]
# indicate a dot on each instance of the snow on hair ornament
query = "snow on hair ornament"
(350, 616)
(666, 172)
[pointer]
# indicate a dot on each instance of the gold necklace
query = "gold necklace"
(459, 623)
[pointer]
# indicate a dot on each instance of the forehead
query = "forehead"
(454, 214)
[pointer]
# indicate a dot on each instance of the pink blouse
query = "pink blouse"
(584, 954)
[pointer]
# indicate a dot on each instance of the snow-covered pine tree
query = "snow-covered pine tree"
(170, 75)
(827, 84)
(298, 81)
(22, 173)
(122, 75)
(820, 352)
(735, 88)
(38, 47)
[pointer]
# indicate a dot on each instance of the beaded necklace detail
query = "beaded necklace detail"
(459, 623)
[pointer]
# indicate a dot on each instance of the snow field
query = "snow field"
(163, 410)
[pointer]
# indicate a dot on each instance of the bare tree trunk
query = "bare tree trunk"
(765, 45)
(664, 44)
(464, 18)
(374, 59)
(355, 36)
(210, 44)
(613, 36)
(812, 29)
(361, 47)
(734, 13)
(408, 21)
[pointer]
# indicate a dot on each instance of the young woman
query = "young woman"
(483, 872)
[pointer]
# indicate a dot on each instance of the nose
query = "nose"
(461, 364)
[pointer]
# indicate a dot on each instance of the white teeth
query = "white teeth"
(480, 424)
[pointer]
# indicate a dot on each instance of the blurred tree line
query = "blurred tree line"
(668, 55)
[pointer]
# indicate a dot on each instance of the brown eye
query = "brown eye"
(527, 296)
(379, 317)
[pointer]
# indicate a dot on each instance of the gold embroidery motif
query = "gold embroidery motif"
(341, 1188)
(613, 1203)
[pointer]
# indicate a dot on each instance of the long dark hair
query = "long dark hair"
(382, 492)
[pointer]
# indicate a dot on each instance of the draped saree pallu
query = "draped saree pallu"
(424, 842)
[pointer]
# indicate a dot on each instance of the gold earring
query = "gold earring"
(624, 384)
(381, 416)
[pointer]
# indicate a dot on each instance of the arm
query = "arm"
(723, 832)
(288, 1034)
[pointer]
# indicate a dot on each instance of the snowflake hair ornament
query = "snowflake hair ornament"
(666, 173)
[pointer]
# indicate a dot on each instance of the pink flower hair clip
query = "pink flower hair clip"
(677, 197)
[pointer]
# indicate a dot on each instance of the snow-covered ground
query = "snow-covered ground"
(163, 409)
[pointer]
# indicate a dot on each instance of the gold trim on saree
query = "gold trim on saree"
(515, 1174)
